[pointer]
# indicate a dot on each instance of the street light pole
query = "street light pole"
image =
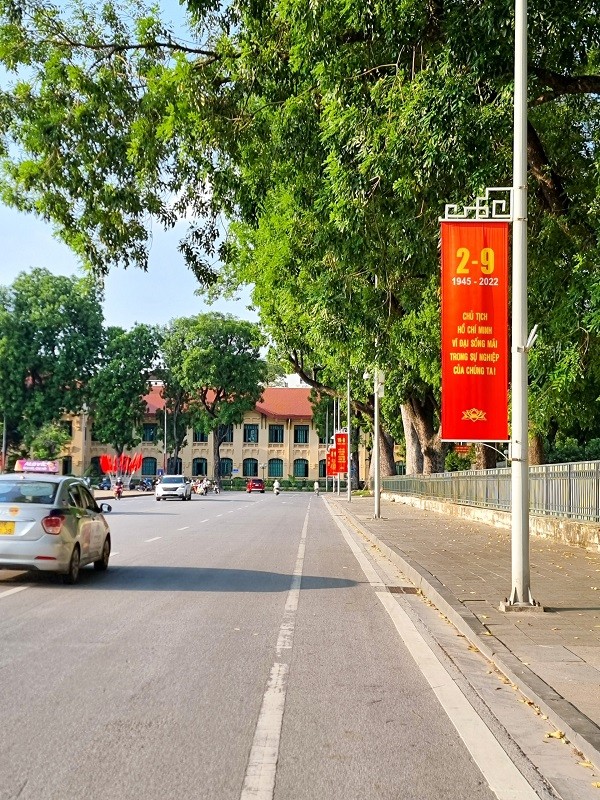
(348, 478)
(376, 467)
(520, 596)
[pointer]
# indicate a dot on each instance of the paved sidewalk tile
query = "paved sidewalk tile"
(472, 561)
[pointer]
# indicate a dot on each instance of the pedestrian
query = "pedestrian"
(316, 487)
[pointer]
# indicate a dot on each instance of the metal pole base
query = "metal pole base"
(531, 605)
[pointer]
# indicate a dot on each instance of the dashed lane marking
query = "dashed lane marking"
(155, 539)
(12, 591)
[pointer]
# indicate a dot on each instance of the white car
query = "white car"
(51, 523)
(176, 486)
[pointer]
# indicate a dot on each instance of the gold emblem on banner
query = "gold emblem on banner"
(474, 415)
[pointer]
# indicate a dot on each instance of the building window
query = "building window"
(250, 468)
(226, 434)
(200, 437)
(149, 466)
(250, 434)
(199, 466)
(275, 434)
(300, 434)
(322, 439)
(68, 426)
(323, 468)
(67, 465)
(275, 468)
(149, 432)
(300, 468)
(226, 467)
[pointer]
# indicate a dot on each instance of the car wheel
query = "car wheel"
(102, 563)
(158, 499)
(71, 576)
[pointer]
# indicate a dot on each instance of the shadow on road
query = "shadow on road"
(181, 579)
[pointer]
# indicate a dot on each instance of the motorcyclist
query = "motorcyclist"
(118, 488)
(276, 486)
(316, 487)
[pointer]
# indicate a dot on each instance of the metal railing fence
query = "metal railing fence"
(569, 490)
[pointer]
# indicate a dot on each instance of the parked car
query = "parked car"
(51, 523)
(176, 486)
(255, 485)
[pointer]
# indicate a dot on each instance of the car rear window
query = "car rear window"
(27, 491)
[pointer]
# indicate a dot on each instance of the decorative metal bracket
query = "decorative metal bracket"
(495, 205)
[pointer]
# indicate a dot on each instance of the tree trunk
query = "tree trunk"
(387, 465)
(536, 449)
(485, 457)
(414, 456)
(217, 458)
(422, 416)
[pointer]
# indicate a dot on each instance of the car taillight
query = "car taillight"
(53, 523)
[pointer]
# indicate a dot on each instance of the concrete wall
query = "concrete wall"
(580, 534)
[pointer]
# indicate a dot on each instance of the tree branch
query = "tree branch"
(564, 84)
(550, 183)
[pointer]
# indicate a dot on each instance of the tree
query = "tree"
(50, 337)
(117, 392)
(49, 441)
(177, 399)
(220, 367)
(333, 133)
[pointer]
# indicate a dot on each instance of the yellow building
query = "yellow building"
(276, 440)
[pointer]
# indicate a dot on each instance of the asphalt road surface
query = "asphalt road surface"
(247, 646)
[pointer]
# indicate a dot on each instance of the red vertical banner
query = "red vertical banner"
(331, 462)
(341, 448)
(475, 331)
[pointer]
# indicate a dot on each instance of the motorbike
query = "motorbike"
(276, 490)
(145, 485)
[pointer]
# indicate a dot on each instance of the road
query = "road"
(248, 646)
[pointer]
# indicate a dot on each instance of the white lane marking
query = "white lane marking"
(13, 591)
(259, 780)
(185, 527)
(114, 554)
(503, 778)
(203, 520)
(219, 515)
(155, 539)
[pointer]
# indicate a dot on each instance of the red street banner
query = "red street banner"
(475, 331)
(341, 448)
(331, 462)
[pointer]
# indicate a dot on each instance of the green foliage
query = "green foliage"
(216, 361)
(117, 392)
(454, 462)
(50, 338)
(567, 448)
(49, 441)
(330, 134)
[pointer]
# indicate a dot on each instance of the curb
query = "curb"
(579, 729)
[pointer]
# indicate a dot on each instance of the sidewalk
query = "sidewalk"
(464, 568)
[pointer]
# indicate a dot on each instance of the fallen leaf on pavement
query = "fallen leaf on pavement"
(587, 764)
(555, 735)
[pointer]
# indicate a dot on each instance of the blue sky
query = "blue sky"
(163, 293)
(166, 291)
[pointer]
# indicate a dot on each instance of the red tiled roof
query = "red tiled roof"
(154, 400)
(277, 402)
(285, 403)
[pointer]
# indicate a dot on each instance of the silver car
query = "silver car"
(173, 486)
(51, 523)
